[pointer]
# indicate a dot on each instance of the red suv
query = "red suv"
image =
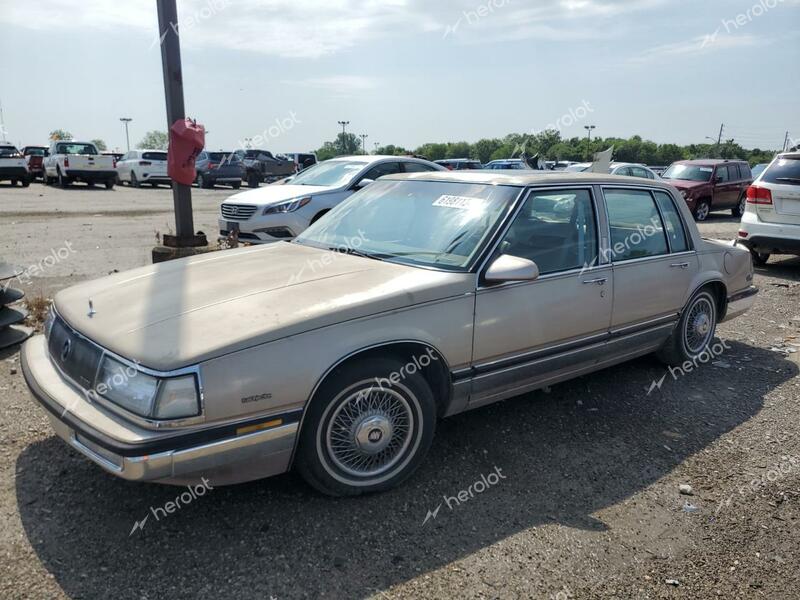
(711, 184)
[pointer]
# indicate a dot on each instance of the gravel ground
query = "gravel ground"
(585, 501)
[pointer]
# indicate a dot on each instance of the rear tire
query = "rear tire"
(110, 184)
(702, 210)
(359, 437)
(760, 258)
(236, 185)
(738, 210)
(253, 180)
(13, 183)
(695, 330)
(63, 182)
(26, 182)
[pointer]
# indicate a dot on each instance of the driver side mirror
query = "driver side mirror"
(363, 183)
(511, 268)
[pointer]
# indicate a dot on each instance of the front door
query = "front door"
(529, 332)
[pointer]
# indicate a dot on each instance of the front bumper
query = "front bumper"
(740, 302)
(263, 229)
(224, 454)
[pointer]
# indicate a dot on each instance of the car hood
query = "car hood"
(275, 194)
(185, 311)
(683, 184)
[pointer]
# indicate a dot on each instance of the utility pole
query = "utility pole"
(173, 91)
(127, 120)
(364, 137)
(785, 139)
(2, 124)
(377, 145)
(344, 125)
(719, 138)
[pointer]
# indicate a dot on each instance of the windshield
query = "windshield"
(76, 149)
(9, 152)
(688, 173)
(439, 224)
(329, 173)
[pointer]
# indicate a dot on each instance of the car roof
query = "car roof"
(525, 178)
(708, 161)
(372, 158)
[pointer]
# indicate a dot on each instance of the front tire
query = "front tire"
(695, 330)
(363, 433)
(701, 210)
(134, 181)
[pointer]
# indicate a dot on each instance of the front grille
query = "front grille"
(75, 356)
(238, 212)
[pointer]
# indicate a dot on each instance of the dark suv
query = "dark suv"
(219, 168)
(711, 184)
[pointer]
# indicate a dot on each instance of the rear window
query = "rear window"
(76, 149)
(223, 156)
(784, 171)
(154, 156)
(35, 151)
(9, 152)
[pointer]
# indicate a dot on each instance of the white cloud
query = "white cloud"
(702, 44)
(315, 28)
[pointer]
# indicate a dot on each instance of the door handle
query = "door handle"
(598, 281)
(683, 265)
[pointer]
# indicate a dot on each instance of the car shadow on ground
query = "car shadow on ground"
(587, 444)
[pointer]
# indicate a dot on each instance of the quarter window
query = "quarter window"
(672, 220)
(556, 230)
(636, 227)
(412, 167)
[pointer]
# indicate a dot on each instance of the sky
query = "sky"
(407, 72)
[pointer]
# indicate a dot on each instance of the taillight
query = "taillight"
(743, 233)
(758, 195)
(144, 163)
(114, 162)
(66, 162)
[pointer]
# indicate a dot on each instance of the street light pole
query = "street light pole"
(173, 92)
(364, 137)
(127, 120)
(588, 129)
(344, 125)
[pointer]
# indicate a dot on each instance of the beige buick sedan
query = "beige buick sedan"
(421, 296)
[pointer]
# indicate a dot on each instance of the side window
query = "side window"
(388, 168)
(636, 227)
(640, 172)
(675, 231)
(722, 174)
(412, 167)
(556, 230)
(626, 171)
(744, 171)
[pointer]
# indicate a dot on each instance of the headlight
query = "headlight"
(145, 395)
(177, 398)
(287, 207)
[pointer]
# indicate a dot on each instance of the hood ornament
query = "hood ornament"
(92, 311)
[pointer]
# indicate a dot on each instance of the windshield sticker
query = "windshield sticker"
(460, 202)
(706, 169)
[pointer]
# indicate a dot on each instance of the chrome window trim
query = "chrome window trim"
(491, 248)
(147, 423)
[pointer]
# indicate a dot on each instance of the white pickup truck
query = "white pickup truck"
(13, 165)
(70, 161)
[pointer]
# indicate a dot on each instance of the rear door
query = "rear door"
(726, 186)
(782, 177)
(155, 163)
(653, 262)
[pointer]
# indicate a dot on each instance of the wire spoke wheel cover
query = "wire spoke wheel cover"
(369, 433)
(699, 326)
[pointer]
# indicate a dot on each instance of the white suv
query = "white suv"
(771, 220)
(143, 166)
(282, 211)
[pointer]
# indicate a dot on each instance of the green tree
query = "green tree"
(60, 134)
(100, 145)
(458, 150)
(154, 140)
(432, 151)
(485, 148)
(391, 150)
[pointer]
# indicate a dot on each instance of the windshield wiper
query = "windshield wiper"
(355, 252)
(794, 179)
